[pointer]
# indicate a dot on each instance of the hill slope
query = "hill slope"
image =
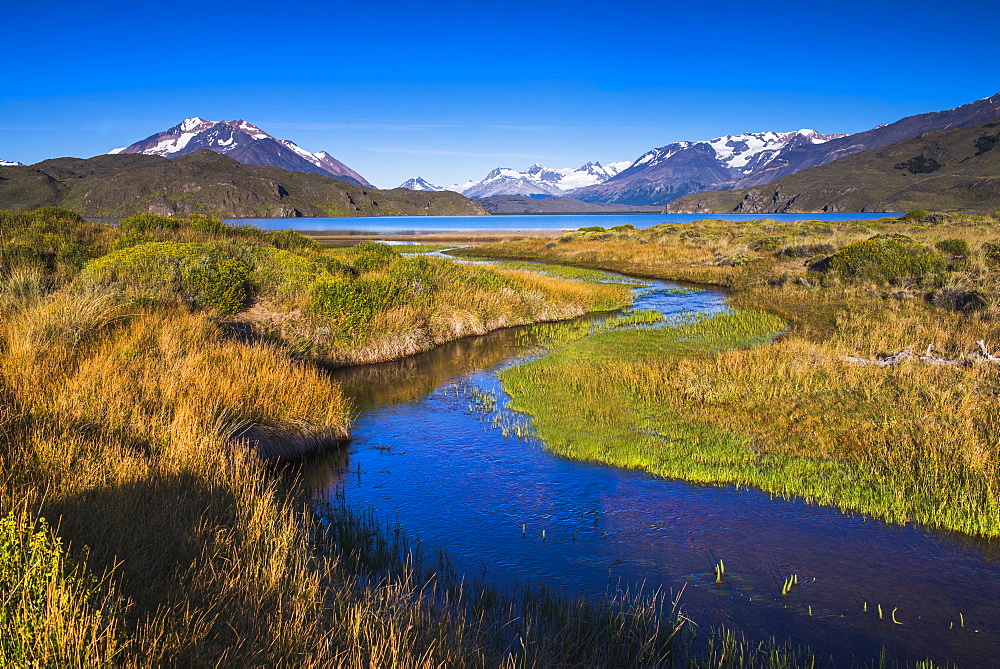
(956, 169)
(204, 181)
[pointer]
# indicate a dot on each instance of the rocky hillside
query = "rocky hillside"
(947, 170)
(204, 181)
(243, 142)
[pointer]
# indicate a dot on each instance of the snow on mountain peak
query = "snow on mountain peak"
(420, 183)
(10, 163)
(538, 179)
(189, 124)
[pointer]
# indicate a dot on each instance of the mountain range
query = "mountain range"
(535, 180)
(10, 163)
(245, 143)
(751, 159)
(938, 170)
(204, 181)
(661, 175)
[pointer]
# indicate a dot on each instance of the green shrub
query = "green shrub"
(593, 228)
(885, 260)
(625, 227)
(991, 252)
(276, 271)
(369, 256)
(956, 248)
(354, 301)
(58, 240)
(915, 215)
(217, 284)
(290, 240)
(146, 222)
(771, 243)
(200, 274)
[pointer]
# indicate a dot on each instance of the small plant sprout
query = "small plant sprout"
(524, 529)
(892, 616)
(720, 571)
(789, 582)
(880, 612)
(543, 535)
(961, 620)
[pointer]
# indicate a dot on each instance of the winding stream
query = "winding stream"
(425, 453)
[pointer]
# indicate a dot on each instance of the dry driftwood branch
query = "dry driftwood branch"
(907, 354)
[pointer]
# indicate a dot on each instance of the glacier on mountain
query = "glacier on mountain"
(539, 180)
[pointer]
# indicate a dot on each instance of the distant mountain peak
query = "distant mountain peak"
(244, 142)
(538, 179)
(419, 183)
(10, 163)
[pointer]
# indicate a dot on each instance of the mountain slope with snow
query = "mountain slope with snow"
(539, 180)
(10, 163)
(751, 159)
(243, 142)
(419, 183)
(661, 175)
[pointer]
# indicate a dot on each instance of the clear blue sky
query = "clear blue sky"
(449, 90)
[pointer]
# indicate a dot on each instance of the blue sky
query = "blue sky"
(449, 90)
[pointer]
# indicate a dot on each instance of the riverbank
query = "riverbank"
(135, 413)
(909, 443)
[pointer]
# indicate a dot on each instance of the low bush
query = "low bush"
(370, 256)
(354, 301)
(886, 260)
(956, 248)
(200, 274)
(769, 243)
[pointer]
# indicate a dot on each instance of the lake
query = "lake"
(403, 224)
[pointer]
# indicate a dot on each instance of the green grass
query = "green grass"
(567, 272)
(601, 399)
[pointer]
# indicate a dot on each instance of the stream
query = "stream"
(467, 478)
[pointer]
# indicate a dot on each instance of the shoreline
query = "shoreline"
(328, 237)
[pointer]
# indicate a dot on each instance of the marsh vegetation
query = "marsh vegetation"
(910, 442)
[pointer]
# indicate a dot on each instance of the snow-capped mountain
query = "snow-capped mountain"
(661, 175)
(244, 142)
(420, 184)
(10, 163)
(539, 180)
